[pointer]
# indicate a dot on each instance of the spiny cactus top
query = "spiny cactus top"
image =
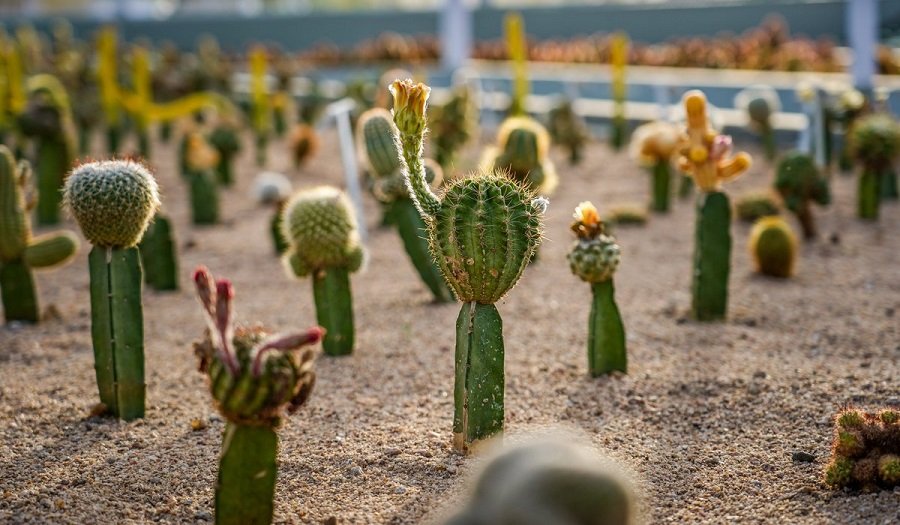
(320, 226)
(485, 229)
(594, 256)
(760, 102)
(113, 201)
(703, 153)
(253, 375)
(522, 153)
(798, 179)
(866, 450)
(654, 142)
(875, 140)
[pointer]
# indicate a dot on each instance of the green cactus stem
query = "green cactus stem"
(20, 251)
(225, 140)
(889, 190)
(685, 186)
(412, 230)
(247, 471)
(800, 184)
(158, 255)
(661, 186)
(712, 256)
(204, 197)
(113, 202)
(276, 230)
(483, 233)
(868, 194)
(875, 144)
(334, 310)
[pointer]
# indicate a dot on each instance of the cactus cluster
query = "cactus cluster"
(522, 153)
(254, 378)
(20, 251)
(760, 103)
(865, 453)
(483, 233)
(875, 144)
(800, 183)
(773, 247)
(653, 145)
(320, 227)
(568, 129)
(453, 124)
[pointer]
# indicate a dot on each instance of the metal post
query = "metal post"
(862, 33)
(456, 34)
(340, 112)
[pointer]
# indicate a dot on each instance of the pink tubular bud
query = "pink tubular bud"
(284, 343)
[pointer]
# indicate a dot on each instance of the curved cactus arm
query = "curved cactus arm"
(409, 116)
(50, 250)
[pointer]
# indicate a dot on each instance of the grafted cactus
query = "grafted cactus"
(760, 103)
(201, 160)
(653, 145)
(568, 129)
(320, 227)
(594, 258)
(254, 378)
(865, 452)
(303, 142)
(706, 157)
(483, 232)
(875, 143)
(801, 184)
(773, 247)
(48, 120)
(387, 184)
(453, 125)
(113, 202)
(522, 153)
(224, 138)
(20, 251)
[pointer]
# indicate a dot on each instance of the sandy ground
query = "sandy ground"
(706, 420)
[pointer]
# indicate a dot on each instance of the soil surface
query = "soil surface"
(707, 419)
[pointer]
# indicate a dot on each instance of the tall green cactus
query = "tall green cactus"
(48, 119)
(320, 227)
(875, 144)
(113, 202)
(483, 233)
(568, 129)
(387, 185)
(800, 183)
(760, 103)
(594, 258)
(522, 152)
(19, 250)
(224, 138)
(653, 145)
(158, 255)
(255, 378)
(201, 160)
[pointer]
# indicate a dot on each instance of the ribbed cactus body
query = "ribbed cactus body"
(158, 255)
(661, 186)
(377, 129)
(334, 309)
(753, 206)
(875, 143)
(53, 161)
(226, 142)
(204, 191)
(248, 470)
(773, 247)
(712, 257)
(50, 249)
(800, 184)
(522, 152)
(413, 232)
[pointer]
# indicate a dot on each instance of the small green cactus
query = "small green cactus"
(865, 448)
(629, 214)
(113, 203)
(594, 258)
(48, 119)
(453, 125)
(773, 247)
(20, 251)
(254, 378)
(652, 146)
(304, 142)
(483, 233)
(550, 482)
(875, 143)
(224, 138)
(158, 255)
(522, 153)
(568, 129)
(760, 103)
(320, 227)
(800, 184)
(755, 205)
(201, 161)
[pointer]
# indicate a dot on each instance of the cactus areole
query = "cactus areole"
(483, 232)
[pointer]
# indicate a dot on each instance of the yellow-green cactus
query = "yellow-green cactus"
(865, 449)
(522, 152)
(773, 247)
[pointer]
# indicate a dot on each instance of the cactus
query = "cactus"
(618, 60)
(48, 119)
(113, 203)
(304, 142)
(224, 138)
(845, 108)
(107, 73)
(483, 233)
(773, 247)
(517, 48)
(20, 251)
(865, 450)
(158, 255)
(626, 214)
(594, 258)
(201, 160)
(320, 227)
(376, 130)
(760, 103)
(254, 378)
(522, 152)
(799, 182)
(706, 156)
(453, 125)
(652, 146)
(568, 129)
(260, 105)
(875, 144)
(550, 482)
(274, 189)
(755, 205)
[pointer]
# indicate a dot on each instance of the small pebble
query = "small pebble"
(802, 457)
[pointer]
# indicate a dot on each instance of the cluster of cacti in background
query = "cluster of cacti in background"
(453, 124)
(618, 58)
(483, 233)
(522, 153)
(875, 144)
(773, 247)
(255, 376)
(754, 205)
(865, 452)
(800, 183)
(706, 157)
(760, 103)
(20, 252)
(320, 227)
(653, 145)
(594, 258)
(201, 160)
(113, 203)
(568, 129)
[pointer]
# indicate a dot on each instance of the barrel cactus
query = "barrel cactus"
(706, 156)
(594, 258)
(113, 203)
(652, 146)
(274, 189)
(483, 232)
(20, 251)
(522, 152)
(320, 227)
(801, 183)
(865, 452)
(875, 144)
(756, 204)
(760, 102)
(568, 129)
(255, 377)
(773, 247)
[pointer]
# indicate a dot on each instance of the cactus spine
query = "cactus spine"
(113, 202)
(320, 226)
(19, 250)
(201, 160)
(483, 233)
(875, 143)
(653, 145)
(798, 181)
(706, 156)
(158, 255)
(773, 247)
(254, 378)
(377, 129)
(594, 258)
(865, 452)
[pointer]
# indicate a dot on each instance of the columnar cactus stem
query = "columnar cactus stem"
(517, 48)
(705, 155)
(19, 250)
(618, 61)
(483, 233)
(254, 378)
(798, 181)
(875, 143)
(158, 255)
(225, 139)
(107, 71)
(201, 161)
(260, 105)
(653, 145)
(113, 202)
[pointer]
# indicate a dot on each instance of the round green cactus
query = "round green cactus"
(522, 152)
(376, 129)
(594, 256)
(800, 184)
(755, 205)
(773, 247)
(113, 201)
(865, 452)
